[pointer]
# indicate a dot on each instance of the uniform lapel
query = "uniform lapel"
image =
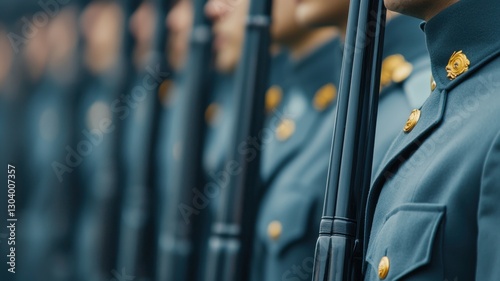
(432, 113)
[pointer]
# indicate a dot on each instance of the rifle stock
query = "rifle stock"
(178, 242)
(338, 250)
(230, 239)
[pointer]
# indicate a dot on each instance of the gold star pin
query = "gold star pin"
(457, 65)
(324, 97)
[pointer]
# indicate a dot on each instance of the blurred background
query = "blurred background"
(85, 92)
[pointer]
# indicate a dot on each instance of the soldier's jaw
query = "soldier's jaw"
(422, 9)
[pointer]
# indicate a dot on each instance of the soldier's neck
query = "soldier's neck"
(305, 44)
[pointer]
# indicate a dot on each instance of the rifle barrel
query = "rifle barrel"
(340, 239)
(230, 239)
(178, 242)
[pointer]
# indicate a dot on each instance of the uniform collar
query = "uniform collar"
(471, 26)
(317, 55)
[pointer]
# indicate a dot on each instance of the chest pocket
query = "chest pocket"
(286, 221)
(406, 239)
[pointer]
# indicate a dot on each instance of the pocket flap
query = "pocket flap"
(286, 221)
(406, 238)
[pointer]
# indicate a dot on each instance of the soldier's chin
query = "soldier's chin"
(307, 14)
(395, 5)
(413, 8)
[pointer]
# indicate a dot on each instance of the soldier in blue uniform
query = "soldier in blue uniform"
(300, 103)
(101, 104)
(296, 162)
(299, 100)
(136, 252)
(179, 23)
(49, 214)
(432, 212)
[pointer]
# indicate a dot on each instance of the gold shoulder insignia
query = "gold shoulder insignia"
(395, 69)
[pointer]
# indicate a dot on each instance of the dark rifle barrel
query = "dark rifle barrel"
(340, 241)
(178, 242)
(230, 239)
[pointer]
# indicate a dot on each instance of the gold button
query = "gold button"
(274, 230)
(383, 267)
(164, 92)
(457, 65)
(324, 97)
(211, 113)
(433, 84)
(412, 121)
(273, 98)
(285, 129)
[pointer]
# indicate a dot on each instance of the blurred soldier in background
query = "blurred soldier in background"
(179, 23)
(95, 151)
(405, 68)
(136, 246)
(299, 103)
(49, 223)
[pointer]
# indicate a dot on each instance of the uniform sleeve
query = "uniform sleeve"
(488, 240)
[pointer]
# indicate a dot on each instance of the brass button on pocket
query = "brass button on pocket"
(383, 267)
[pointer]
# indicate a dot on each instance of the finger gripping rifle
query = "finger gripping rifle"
(339, 247)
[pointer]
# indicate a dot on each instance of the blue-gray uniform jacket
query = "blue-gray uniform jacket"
(296, 170)
(433, 209)
(47, 219)
(219, 118)
(94, 154)
(136, 240)
(301, 105)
